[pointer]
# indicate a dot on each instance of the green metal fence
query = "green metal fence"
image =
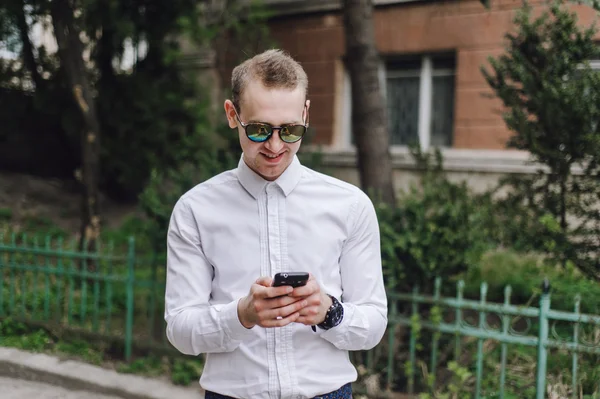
(433, 343)
(480, 335)
(110, 293)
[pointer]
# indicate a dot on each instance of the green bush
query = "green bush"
(436, 229)
(184, 371)
(6, 214)
(525, 274)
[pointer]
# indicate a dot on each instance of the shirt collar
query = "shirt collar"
(254, 183)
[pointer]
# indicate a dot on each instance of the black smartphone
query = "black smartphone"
(294, 279)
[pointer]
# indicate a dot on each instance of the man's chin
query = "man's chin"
(271, 172)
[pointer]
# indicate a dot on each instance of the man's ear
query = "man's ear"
(230, 114)
(307, 107)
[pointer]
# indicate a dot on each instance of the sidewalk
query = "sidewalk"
(70, 374)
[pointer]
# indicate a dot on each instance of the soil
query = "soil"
(54, 200)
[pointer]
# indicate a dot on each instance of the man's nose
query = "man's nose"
(275, 144)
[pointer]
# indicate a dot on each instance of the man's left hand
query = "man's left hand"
(318, 302)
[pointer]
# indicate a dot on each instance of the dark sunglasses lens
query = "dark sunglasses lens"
(258, 132)
(291, 134)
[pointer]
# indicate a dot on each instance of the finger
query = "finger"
(308, 320)
(264, 281)
(274, 292)
(271, 292)
(281, 301)
(309, 311)
(312, 287)
(282, 312)
(279, 322)
(263, 304)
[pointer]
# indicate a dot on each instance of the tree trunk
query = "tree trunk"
(70, 50)
(369, 121)
(28, 57)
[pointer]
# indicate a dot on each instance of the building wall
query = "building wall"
(464, 27)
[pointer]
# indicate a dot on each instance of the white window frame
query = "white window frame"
(425, 74)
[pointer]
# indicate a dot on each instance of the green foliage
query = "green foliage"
(525, 273)
(148, 366)
(80, 349)
(153, 113)
(455, 388)
(436, 229)
(182, 370)
(552, 97)
(10, 327)
(21, 336)
(185, 371)
(6, 214)
(43, 227)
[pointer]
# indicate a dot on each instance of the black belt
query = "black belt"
(344, 392)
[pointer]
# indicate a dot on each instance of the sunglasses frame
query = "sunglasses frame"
(273, 128)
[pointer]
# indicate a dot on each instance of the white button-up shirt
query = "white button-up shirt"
(228, 231)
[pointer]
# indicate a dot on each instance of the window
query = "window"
(420, 100)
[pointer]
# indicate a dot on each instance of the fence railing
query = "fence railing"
(109, 294)
(433, 342)
(468, 343)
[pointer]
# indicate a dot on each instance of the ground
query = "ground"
(22, 389)
(52, 199)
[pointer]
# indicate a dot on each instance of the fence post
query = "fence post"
(542, 340)
(129, 283)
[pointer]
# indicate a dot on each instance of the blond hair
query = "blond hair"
(274, 68)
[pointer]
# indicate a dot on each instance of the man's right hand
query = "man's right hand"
(268, 306)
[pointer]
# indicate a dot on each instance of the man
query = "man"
(229, 235)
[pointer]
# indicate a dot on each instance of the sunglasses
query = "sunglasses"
(261, 132)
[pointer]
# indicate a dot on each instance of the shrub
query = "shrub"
(525, 273)
(436, 229)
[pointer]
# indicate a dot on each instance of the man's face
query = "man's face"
(275, 107)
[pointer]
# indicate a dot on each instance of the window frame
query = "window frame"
(426, 73)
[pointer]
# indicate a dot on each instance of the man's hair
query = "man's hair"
(274, 68)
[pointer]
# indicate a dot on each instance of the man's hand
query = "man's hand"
(268, 306)
(318, 302)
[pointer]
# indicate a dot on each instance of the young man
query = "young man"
(229, 235)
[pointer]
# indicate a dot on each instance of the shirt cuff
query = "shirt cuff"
(353, 321)
(231, 323)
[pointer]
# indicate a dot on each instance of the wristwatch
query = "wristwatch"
(334, 315)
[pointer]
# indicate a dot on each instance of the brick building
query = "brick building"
(432, 51)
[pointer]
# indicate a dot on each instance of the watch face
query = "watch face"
(336, 315)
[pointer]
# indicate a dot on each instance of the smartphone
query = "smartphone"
(294, 279)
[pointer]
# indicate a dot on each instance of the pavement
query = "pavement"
(23, 389)
(32, 375)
